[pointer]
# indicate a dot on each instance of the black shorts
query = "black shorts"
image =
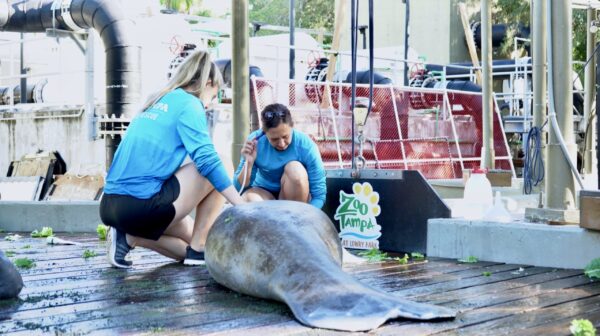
(274, 193)
(146, 218)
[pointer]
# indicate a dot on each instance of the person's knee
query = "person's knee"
(295, 173)
(252, 197)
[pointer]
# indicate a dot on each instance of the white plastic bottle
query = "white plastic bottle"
(478, 195)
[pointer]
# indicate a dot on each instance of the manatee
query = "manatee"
(11, 282)
(290, 252)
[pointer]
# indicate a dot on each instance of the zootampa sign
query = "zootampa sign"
(357, 214)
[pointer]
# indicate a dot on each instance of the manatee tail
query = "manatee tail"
(352, 306)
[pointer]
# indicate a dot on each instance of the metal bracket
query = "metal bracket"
(112, 126)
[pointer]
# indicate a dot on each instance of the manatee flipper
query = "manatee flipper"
(343, 303)
(11, 282)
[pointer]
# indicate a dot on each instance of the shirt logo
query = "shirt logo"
(161, 107)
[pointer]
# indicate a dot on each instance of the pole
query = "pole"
(560, 184)
(23, 83)
(406, 36)
(292, 32)
(538, 18)
(240, 78)
(597, 118)
(539, 64)
(487, 152)
(589, 82)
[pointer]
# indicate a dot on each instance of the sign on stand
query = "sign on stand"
(357, 214)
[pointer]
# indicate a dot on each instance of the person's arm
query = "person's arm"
(232, 195)
(193, 131)
(316, 175)
(248, 157)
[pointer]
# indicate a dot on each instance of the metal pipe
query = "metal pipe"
(487, 152)
(597, 133)
(538, 18)
(406, 36)
(114, 27)
(589, 82)
(560, 186)
(89, 87)
(23, 72)
(292, 60)
(240, 78)
(539, 64)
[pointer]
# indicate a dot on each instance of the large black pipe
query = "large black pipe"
(499, 32)
(108, 18)
(292, 60)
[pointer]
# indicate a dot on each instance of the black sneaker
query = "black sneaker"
(193, 257)
(118, 249)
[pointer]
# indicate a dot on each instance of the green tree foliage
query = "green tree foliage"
(311, 14)
(183, 6)
(518, 12)
(511, 13)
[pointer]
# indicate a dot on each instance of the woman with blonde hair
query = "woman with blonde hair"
(148, 194)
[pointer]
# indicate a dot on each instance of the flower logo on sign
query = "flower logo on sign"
(356, 215)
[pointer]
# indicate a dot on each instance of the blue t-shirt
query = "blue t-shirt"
(270, 163)
(156, 143)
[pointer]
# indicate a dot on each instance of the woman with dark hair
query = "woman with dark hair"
(148, 194)
(280, 162)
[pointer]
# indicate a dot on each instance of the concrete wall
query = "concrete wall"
(65, 131)
(435, 28)
(567, 246)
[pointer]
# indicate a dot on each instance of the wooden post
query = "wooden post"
(340, 18)
(470, 41)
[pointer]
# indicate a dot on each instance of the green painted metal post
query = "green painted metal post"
(240, 78)
(560, 183)
(590, 90)
(487, 152)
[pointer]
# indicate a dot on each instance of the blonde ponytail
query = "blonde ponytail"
(195, 71)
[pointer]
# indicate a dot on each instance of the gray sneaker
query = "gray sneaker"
(193, 257)
(118, 249)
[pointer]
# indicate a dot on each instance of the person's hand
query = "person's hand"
(249, 151)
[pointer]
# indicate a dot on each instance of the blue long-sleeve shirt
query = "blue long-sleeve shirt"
(270, 163)
(156, 143)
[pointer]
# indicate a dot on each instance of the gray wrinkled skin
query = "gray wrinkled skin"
(11, 282)
(290, 252)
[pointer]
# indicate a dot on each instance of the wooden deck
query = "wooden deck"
(67, 294)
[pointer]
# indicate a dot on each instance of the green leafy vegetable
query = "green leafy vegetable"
(89, 254)
(469, 260)
(10, 253)
(102, 231)
(487, 273)
(374, 255)
(25, 263)
(417, 256)
(403, 260)
(582, 328)
(592, 270)
(43, 233)
(26, 247)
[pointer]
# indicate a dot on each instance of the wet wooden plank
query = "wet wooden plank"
(543, 317)
(480, 312)
(67, 294)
